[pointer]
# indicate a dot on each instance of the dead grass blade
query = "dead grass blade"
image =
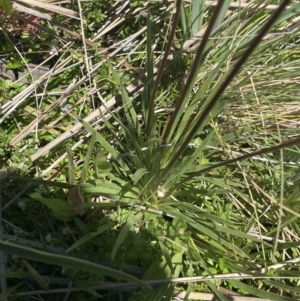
(38, 5)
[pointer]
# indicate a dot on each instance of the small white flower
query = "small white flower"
(22, 205)
(15, 257)
(53, 51)
(161, 192)
(48, 238)
(65, 231)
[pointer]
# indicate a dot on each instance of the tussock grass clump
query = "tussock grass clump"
(164, 139)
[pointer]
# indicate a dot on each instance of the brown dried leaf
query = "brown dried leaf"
(74, 198)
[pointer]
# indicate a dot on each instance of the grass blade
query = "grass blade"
(10, 290)
(62, 261)
(123, 234)
(71, 166)
(224, 85)
(87, 160)
(197, 9)
(190, 82)
(149, 127)
(105, 144)
(90, 235)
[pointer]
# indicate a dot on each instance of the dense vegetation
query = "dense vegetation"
(149, 150)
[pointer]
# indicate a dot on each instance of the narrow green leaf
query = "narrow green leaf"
(53, 204)
(128, 108)
(177, 262)
(14, 275)
(105, 144)
(199, 96)
(71, 165)
(87, 157)
(169, 294)
(131, 132)
(165, 252)
(197, 10)
(157, 293)
(259, 292)
(157, 271)
(67, 261)
(123, 233)
(102, 167)
(215, 239)
(233, 72)
(293, 11)
(86, 288)
(61, 209)
(104, 187)
(184, 21)
(10, 290)
(139, 174)
(223, 12)
(90, 235)
(216, 291)
(150, 124)
(185, 93)
(185, 166)
(282, 286)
